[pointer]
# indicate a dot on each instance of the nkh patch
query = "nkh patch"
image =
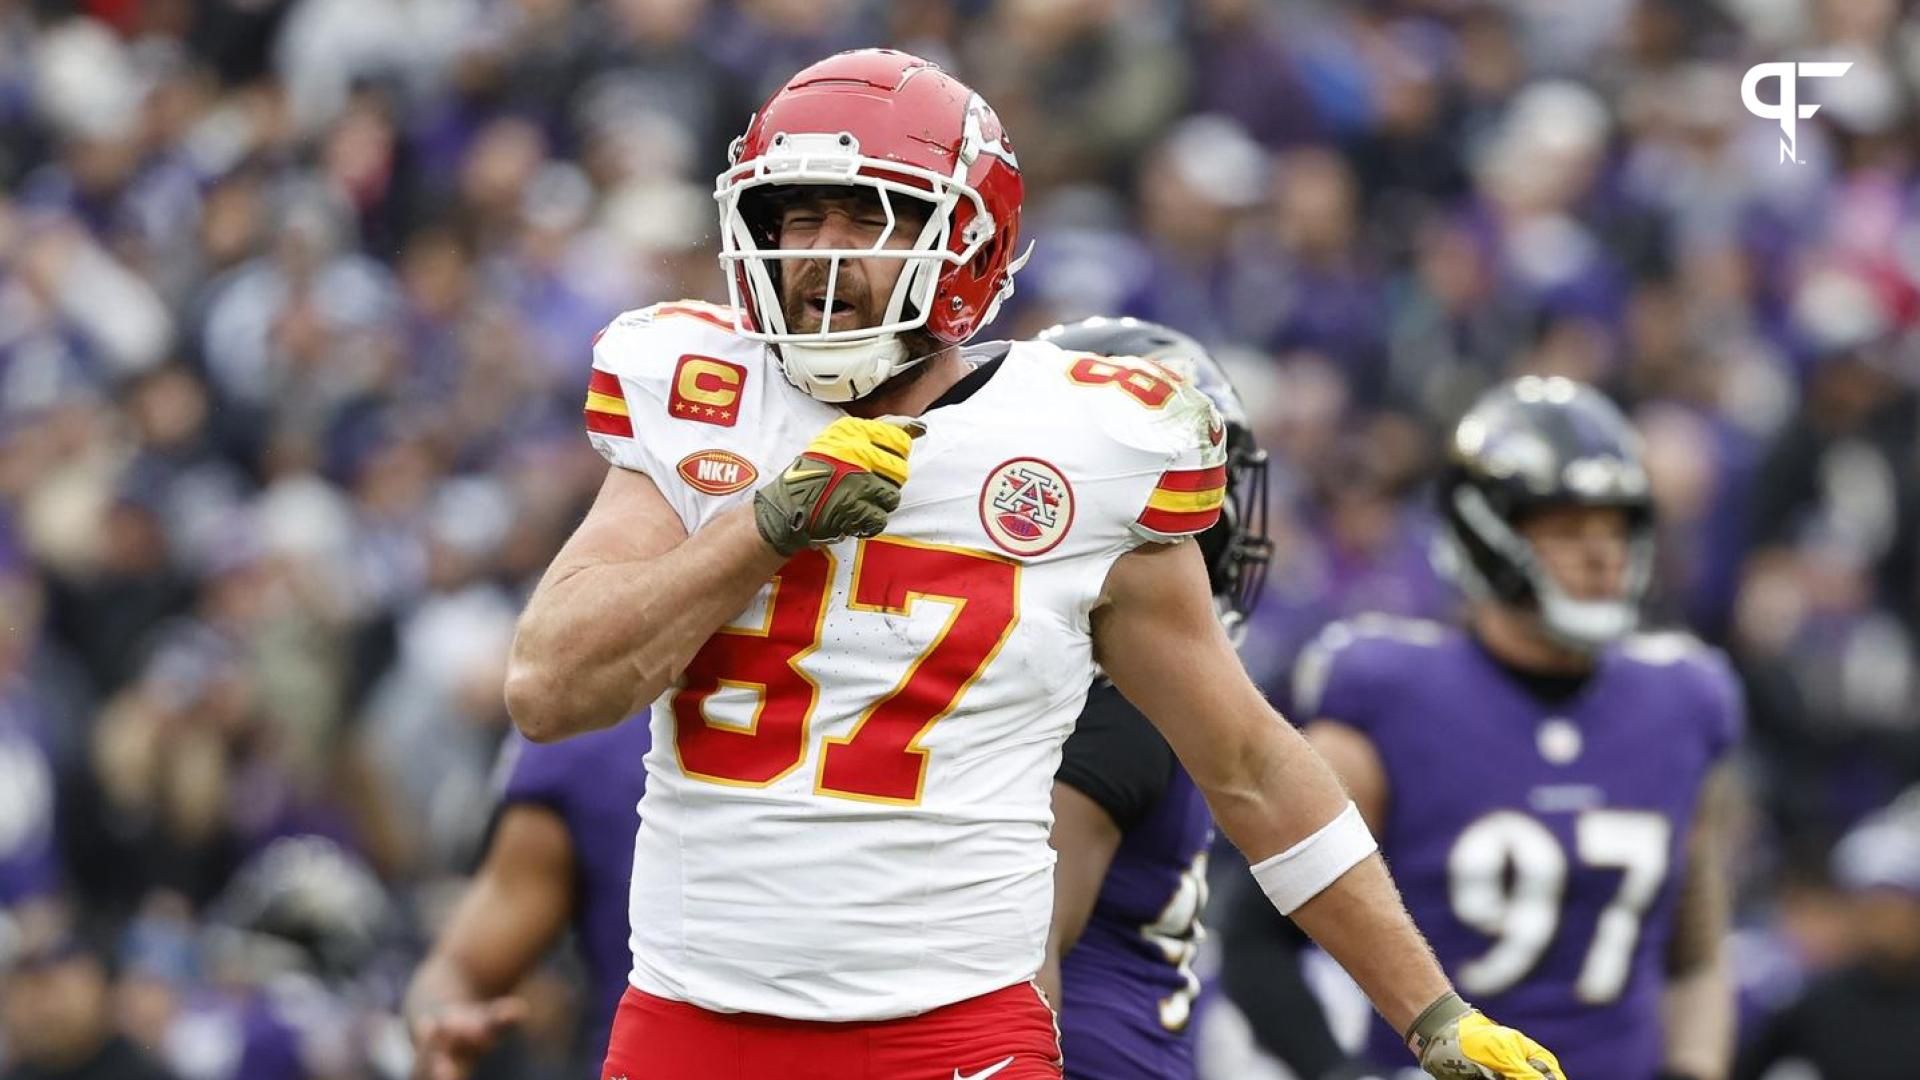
(1026, 506)
(717, 472)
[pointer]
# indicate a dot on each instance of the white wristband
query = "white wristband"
(1297, 874)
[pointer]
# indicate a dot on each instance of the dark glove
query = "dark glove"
(843, 484)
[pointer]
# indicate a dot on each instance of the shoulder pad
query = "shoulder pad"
(1352, 638)
(1136, 402)
(661, 361)
(720, 315)
(1423, 633)
(1664, 648)
(1189, 495)
(1718, 702)
(639, 343)
(1149, 409)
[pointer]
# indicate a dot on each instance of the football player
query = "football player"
(1130, 828)
(1548, 785)
(859, 682)
(560, 855)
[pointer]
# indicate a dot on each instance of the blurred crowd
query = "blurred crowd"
(295, 298)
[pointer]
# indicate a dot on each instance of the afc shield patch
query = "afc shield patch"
(717, 472)
(1026, 506)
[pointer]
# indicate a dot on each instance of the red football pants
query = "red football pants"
(1005, 1035)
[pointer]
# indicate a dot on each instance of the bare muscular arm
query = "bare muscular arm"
(512, 913)
(625, 605)
(1354, 759)
(1084, 839)
(1698, 1006)
(1156, 636)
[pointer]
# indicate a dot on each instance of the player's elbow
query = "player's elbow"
(529, 703)
(555, 693)
(538, 701)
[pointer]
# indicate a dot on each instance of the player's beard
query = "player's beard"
(850, 291)
(917, 344)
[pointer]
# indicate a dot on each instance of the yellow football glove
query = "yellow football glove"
(1454, 1041)
(843, 484)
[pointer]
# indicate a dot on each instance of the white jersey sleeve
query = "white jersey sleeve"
(676, 394)
(1168, 423)
(623, 388)
(1187, 498)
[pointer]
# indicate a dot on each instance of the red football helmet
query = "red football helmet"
(898, 125)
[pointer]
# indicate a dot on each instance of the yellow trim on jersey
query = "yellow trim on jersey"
(1186, 502)
(606, 403)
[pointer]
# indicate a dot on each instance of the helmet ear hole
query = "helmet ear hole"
(983, 263)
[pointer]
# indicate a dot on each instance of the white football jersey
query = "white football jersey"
(848, 795)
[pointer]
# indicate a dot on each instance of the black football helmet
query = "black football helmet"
(304, 904)
(1237, 548)
(1527, 444)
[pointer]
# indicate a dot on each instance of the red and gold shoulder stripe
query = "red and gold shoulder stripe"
(606, 410)
(1185, 501)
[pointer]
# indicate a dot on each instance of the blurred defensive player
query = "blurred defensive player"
(860, 683)
(1546, 783)
(1130, 828)
(560, 856)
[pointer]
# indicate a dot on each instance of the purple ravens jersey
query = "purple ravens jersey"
(1128, 985)
(1539, 840)
(594, 783)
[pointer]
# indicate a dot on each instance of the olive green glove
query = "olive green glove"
(843, 484)
(1454, 1041)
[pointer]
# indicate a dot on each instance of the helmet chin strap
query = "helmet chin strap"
(837, 372)
(1591, 625)
(1585, 625)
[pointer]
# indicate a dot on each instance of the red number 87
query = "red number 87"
(880, 759)
(1140, 380)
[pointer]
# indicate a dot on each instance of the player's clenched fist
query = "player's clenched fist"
(1454, 1041)
(843, 484)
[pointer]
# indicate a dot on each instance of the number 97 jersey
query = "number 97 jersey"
(848, 795)
(1539, 842)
